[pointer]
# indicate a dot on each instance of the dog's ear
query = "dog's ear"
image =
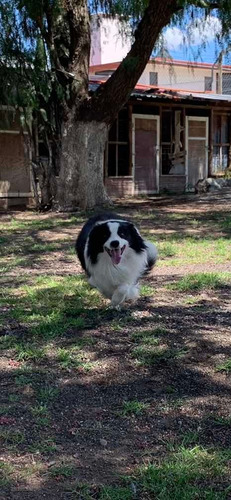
(97, 237)
(136, 241)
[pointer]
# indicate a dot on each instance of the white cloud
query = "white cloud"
(195, 33)
(173, 38)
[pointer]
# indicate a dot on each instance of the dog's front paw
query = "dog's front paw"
(124, 292)
(119, 295)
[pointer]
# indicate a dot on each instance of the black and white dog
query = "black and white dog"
(114, 256)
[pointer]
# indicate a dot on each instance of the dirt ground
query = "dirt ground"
(185, 398)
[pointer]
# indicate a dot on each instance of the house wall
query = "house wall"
(172, 183)
(178, 76)
(15, 188)
(109, 44)
(118, 187)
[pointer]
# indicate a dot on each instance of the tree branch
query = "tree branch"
(111, 96)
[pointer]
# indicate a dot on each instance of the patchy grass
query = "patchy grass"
(192, 250)
(73, 359)
(150, 355)
(186, 475)
(47, 446)
(6, 471)
(201, 281)
(150, 336)
(225, 367)
(222, 421)
(28, 352)
(68, 361)
(50, 306)
(116, 493)
(11, 437)
(62, 471)
(47, 394)
(133, 408)
(34, 223)
(147, 291)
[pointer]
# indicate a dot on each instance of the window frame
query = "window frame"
(170, 143)
(208, 80)
(221, 144)
(117, 143)
(156, 77)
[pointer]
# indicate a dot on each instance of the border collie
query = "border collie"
(114, 256)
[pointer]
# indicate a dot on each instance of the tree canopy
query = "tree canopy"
(44, 57)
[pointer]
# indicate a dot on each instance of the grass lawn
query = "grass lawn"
(98, 404)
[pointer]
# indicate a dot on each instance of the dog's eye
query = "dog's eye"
(122, 234)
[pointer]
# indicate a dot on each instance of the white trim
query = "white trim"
(15, 132)
(198, 118)
(5, 107)
(206, 138)
(150, 117)
(15, 195)
(195, 138)
(129, 177)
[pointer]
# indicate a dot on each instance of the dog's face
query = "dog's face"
(113, 238)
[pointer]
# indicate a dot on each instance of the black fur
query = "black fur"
(128, 231)
(84, 233)
(99, 234)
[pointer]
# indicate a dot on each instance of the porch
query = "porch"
(167, 144)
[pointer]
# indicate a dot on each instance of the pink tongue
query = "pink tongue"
(116, 256)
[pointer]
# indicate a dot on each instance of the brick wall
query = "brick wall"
(14, 166)
(173, 183)
(119, 186)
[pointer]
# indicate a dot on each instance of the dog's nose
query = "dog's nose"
(115, 244)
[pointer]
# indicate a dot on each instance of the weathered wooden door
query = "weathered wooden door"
(146, 139)
(196, 150)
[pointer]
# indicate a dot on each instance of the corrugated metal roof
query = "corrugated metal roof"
(154, 92)
(213, 97)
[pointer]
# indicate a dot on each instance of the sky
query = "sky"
(186, 43)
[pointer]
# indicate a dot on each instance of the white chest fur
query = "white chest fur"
(108, 277)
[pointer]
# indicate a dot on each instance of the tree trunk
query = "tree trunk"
(80, 182)
(84, 134)
(81, 178)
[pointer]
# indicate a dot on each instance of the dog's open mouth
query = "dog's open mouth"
(115, 254)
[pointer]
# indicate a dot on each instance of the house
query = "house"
(174, 130)
(15, 171)
(182, 75)
(111, 41)
(167, 140)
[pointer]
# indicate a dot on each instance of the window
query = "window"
(172, 151)
(226, 83)
(221, 145)
(9, 119)
(118, 146)
(153, 78)
(208, 83)
(107, 72)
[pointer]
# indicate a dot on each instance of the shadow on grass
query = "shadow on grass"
(61, 419)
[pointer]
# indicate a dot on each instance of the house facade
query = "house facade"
(111, 42)
(15, 171)
(162, 141)
(181, 75)
(174, 130)
(166, 141)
